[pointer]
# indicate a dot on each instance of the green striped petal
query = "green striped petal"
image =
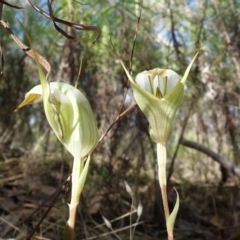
(69, 115)
(158, 93)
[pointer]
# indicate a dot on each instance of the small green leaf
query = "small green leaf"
(171, 219)
(79, 184)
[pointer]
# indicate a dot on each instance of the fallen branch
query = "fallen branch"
(221, 160)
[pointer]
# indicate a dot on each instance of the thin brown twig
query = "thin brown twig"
(201, 25)
(73, 25)
(11, 5)
(171, 168)
(131, 57)
(117, 119)
(55, 197)
(119, 114)
(135, 36)
(176, 44)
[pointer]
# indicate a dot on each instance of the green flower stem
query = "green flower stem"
(78, 165)
(69, 232)
(79, 174)
(162, 158)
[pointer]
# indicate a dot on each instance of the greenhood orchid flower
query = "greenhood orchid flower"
(71, 118)
(162, 87)
(158, 93)
(69, 115)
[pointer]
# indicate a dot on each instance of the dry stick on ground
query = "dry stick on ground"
(221, 160)
(55, 195)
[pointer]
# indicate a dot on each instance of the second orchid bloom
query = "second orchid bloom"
(158, 93)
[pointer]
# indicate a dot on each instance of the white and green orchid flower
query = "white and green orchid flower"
(71, 118)
(158, 87)
(69, 115)
(158, 93)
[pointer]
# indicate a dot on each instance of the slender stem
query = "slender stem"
(69, 232)
(162, 158)
(161, 155)
(77, 169)
(78, 164)
(131, 211)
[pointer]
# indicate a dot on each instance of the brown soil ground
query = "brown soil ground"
(33, 193)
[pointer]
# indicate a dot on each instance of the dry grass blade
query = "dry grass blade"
(115, 231)
(107, 222)
(10, 224)
(118, 218)
(54, 196)
(55, 20)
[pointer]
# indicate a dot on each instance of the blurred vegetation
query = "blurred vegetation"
(34, 164)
